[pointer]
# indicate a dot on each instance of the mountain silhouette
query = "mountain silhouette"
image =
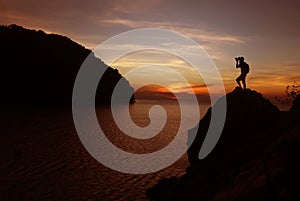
(254, 159)
(39, 69)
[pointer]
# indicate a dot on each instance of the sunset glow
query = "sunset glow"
(269, 39)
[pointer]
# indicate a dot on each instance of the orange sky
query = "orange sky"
(266, 33)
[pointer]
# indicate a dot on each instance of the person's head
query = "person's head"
(242, 59)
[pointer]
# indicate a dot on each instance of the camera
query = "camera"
(239, 59)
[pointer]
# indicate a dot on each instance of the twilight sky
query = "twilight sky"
(266, 33)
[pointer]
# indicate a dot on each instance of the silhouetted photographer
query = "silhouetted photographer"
(240, 63)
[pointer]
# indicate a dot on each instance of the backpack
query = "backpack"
(247, 68)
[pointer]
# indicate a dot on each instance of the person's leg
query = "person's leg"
(238, 79)
(244, 81)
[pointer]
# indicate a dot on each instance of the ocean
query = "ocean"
(42, 157)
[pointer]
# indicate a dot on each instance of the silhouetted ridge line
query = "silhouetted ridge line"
(39, 69)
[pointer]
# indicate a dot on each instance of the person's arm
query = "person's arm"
(237, 65)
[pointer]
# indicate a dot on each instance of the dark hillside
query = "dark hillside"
(254, 159)
(39, 69)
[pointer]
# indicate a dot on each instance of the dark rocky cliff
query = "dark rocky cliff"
(255, 158)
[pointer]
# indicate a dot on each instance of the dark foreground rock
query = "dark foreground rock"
(255, 158)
